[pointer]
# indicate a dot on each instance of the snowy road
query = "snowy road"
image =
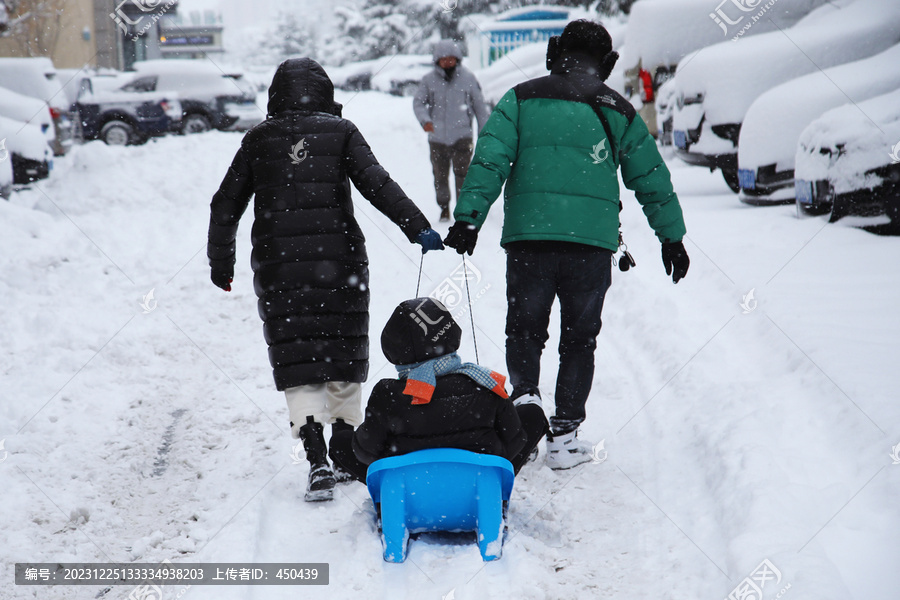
(144, 429)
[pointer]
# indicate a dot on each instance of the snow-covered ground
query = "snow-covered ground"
(144, 429)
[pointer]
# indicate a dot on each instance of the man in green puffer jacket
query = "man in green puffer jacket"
(557, 143)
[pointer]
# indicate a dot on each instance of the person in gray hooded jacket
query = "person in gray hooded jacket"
(447, 99)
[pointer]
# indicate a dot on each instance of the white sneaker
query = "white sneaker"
(528, 399)
(566, 451)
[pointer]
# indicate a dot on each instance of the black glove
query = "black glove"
(675, 259)
(462, 237)
(222, 274)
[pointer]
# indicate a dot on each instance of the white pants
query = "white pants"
(324, 402)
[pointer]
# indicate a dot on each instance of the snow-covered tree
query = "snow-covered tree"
(34, 24)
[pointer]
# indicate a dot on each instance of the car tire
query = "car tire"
(731, 178)
(839, 209)
(195, 123)
(117, 133)
(813, 210)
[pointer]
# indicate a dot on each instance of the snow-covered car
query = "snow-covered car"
(399, 74)
(665, 103)
(37, 78)
(524, 63)
(848, 160)
(125, 117)
(772, 127)
(662, 32)
(25, 147)
(210, 97)
(716, 85)
(6, 171)
(28, 110)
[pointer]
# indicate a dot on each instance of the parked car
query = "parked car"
(27, 150)
(210, 98)
(402, 77)
(716, 86)
(665, 105)
(27, 110)
(772, 127)
(125, 117)
(398, 75)
(6, 171)
(848, 161)
(662, 32)
(36, 77)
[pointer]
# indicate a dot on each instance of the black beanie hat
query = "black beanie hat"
(586, 37)
(419, 330)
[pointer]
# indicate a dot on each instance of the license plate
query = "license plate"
(803, 191)
(679, 138)
(747, 179)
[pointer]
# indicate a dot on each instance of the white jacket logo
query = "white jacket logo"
(601, 147)
(895, 153)
(295, 155)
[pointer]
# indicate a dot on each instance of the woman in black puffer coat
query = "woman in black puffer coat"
(309, 256)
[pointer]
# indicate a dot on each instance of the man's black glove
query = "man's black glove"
(222, 273)
(675, 259)
(462, 237)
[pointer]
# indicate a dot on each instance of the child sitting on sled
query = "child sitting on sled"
(437, 401)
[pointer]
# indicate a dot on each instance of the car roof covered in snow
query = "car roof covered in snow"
(662, 32)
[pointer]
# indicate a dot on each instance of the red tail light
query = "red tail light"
(54, 113)
(647, 94)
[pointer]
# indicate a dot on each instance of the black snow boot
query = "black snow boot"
(320, 486)
(339, 426)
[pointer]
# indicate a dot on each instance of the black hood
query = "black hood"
(302, 84)
(419, 330)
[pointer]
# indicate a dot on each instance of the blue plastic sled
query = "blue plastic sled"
(441, 489)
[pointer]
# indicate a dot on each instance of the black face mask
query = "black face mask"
(448, 73)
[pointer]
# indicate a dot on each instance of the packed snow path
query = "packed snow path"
(738, 429)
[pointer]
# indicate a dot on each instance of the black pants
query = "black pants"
(460, 154)
(533, 421)
(579, 276)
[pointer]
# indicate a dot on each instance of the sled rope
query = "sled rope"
(419, 282)
(471, 314)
